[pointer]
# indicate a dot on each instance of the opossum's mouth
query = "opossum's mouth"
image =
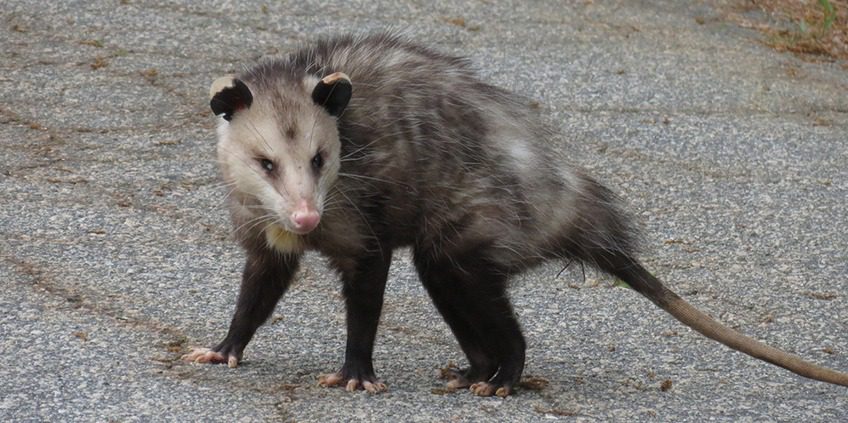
(284, 240)
(298, 232)
(288, 227)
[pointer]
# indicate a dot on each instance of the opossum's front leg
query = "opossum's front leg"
(364, 284)
(266, 277)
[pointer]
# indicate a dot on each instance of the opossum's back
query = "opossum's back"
(378, 59)
(466, 156)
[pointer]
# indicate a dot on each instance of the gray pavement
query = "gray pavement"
(115, 255)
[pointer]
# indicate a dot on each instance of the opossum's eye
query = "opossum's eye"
(266, 164)
(318, 161)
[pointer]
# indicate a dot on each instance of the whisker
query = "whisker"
(373, 178)
(258, 134)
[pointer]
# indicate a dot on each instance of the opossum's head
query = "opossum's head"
(278, 148)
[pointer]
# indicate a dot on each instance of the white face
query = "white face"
(280, 163)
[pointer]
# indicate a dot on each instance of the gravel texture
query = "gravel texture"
(115, 255)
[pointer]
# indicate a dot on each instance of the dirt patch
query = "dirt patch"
(810, 28)
(534, 383)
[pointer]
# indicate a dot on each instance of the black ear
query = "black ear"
(333, 93)
(229, 95)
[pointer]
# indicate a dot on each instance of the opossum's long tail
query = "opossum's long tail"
(645, 283)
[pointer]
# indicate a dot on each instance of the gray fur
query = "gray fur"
(452, 157)
(426, 155)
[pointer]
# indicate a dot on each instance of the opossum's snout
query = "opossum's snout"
(304, 218)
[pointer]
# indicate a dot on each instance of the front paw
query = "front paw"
(353, 380)
(206, 355)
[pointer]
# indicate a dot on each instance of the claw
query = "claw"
(486, 389)
(457, 383)
(482, 389)
(463, 378)
(205, 355)
(328, 380)
(374, 388)
(336, 379)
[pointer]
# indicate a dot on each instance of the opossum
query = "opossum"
(359, 145)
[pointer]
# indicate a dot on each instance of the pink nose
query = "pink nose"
(305, 220)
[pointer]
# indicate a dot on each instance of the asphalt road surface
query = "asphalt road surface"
(115, 254)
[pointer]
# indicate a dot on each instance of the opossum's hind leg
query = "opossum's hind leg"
(453, 306)
(470, 292)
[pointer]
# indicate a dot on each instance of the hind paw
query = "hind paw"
(486, 389)
(457, 378)
(464, 378)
